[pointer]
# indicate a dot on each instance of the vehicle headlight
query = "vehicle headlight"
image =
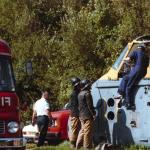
(13, 127)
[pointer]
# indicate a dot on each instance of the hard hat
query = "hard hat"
(142, 47)
(85, 84)
(75, 81)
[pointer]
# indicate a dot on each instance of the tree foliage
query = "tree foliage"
(66, 38)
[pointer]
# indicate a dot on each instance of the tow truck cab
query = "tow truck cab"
(115, 124)
(10, 124)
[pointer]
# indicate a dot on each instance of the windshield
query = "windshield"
(119, 60)
(6, 75)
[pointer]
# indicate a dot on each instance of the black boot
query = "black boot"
(130, 106)
(73, 144)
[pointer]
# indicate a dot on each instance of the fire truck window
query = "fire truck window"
(6, 76)
(126, 67)
(120, 58)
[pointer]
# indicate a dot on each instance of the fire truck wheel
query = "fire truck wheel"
(23, 148)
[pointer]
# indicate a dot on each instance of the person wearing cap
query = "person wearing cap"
(41, 115)
(86, 114)
(74, 112)
(138, 71)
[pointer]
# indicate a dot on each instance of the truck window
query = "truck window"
(120, 58)
(6, 75)
(124, 68)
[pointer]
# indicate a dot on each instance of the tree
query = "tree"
(67, 38)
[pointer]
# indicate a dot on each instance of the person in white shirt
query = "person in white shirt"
(41, 115)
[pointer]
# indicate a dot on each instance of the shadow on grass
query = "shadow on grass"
(66, 146)
(63, 146)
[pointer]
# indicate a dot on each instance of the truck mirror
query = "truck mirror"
(29, 69)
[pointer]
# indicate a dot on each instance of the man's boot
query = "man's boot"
(73, 144)
(78, 146)
(130, 106)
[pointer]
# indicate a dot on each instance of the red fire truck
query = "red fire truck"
(10, 125)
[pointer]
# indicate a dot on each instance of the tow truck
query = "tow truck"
(114, 123)
(10, 123)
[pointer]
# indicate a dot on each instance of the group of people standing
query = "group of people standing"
(82, 114)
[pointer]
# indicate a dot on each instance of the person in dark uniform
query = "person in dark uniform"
(138, 71)
(74, 112)
(41, 116)
(87, 114)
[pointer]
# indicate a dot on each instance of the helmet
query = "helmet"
(85, 84)
(142, 47)
(75, 81)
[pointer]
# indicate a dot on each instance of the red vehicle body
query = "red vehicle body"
(10, 124)
(58, 130)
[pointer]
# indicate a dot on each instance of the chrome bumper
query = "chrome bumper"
(12, 142)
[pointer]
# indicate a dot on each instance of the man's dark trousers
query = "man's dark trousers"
(134, 78)
(42, 122)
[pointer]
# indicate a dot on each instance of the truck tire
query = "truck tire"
(23, 148)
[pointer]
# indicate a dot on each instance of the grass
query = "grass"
(134, 147)
(65, 146)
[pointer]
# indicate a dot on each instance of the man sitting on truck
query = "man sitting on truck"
(139, 70)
